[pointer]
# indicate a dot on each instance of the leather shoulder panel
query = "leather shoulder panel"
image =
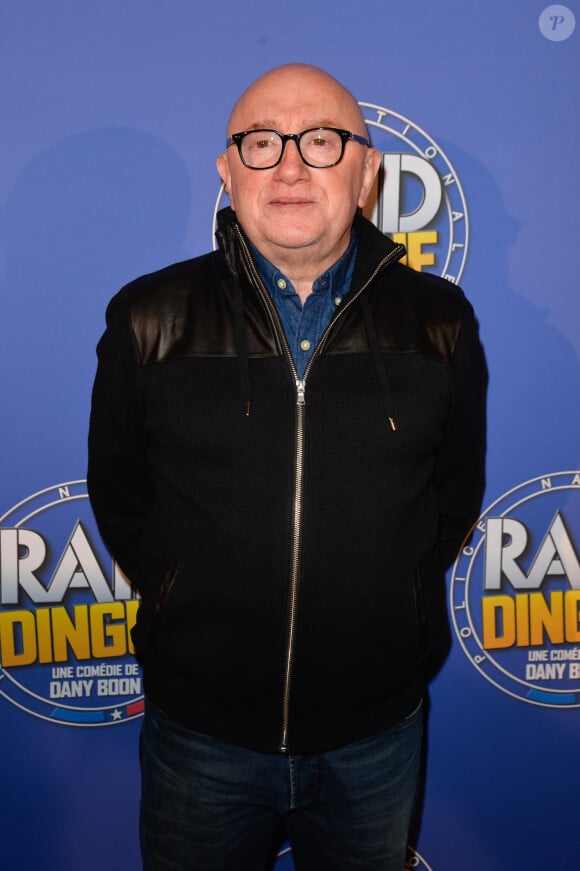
(186, 310)
(411, 311)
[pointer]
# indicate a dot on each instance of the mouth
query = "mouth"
(291, 201)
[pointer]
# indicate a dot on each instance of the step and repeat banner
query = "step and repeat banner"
(112, 116)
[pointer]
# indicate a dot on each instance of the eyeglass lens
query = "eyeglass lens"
(321, 147)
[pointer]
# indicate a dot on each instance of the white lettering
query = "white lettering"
(506, 540)
(23, 553)
(545, 672)
(387, 214)
(70, 689)
(124, 686)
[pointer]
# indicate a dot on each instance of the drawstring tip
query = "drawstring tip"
(392, 424)
(248, 407)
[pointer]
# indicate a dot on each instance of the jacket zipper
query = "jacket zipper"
(395, 254)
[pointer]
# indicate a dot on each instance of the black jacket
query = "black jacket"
(289, 541)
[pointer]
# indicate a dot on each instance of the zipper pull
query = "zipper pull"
(300, 388)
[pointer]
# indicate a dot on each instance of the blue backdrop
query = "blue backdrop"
(112, 116)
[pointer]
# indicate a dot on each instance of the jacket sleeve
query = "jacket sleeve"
(118, 479)
(460, 463)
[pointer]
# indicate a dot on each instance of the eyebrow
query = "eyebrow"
(268, 124)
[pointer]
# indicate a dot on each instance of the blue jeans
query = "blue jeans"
(212, 806)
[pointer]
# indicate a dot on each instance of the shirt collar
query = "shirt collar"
(336, 279)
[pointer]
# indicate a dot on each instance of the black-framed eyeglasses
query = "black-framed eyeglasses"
(319, 147)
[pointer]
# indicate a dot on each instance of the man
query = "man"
(286, 451)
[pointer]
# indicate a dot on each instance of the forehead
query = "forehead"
(295, 102)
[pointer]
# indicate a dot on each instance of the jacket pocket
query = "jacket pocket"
(166, 587)
(419, 597)
(151, 609)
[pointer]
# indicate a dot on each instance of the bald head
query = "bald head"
(282, 88)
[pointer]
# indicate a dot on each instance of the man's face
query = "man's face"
(293, 208)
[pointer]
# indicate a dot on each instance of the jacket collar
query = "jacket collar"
(373, 246)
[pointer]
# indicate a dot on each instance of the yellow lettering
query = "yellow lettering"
(498, 622)
(74, 633)
(416, 258)
(44, 635)
(531, 619)
(522, 621)
(572, 616)
(17, 638)
(48, 635)
(131, 607)
(547, 618)
(108, 638)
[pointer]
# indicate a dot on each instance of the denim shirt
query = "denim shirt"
(305, 324)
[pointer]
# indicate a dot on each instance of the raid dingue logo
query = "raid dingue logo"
(515, 592)
(65, 620)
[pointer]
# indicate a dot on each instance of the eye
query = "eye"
(259, 141)
(322, 140)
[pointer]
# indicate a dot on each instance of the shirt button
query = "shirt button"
(305, 345)
(337, 300)
(281, 284)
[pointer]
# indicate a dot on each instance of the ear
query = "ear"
(370, 169)
(223, 169)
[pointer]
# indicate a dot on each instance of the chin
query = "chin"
(294, 238)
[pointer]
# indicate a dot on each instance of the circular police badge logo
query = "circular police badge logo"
(66, 614)
(515, 592)
(417, 197)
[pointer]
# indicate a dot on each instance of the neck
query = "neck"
(303, 265)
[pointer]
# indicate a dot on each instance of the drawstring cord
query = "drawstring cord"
(242, 350)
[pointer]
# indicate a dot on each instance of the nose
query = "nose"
(291, 168)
